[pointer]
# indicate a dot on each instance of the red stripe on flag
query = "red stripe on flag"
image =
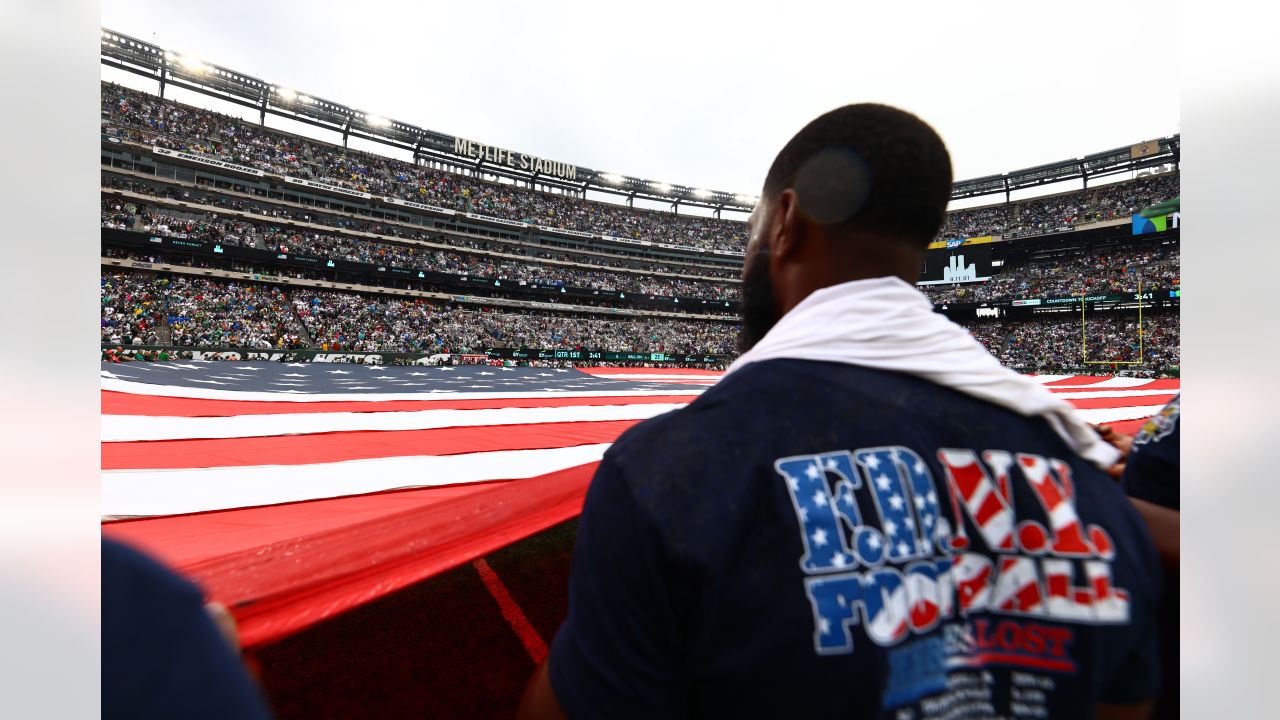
(277, 587)
(118, 403)
(1119, 402)
(359, 445)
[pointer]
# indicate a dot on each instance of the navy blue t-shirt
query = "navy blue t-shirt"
(162, 655)
(1152, 471)
(811, 539)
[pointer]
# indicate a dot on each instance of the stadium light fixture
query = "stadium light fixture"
(304, 99)
(661, 187)
(612, 178)
(376, 121)
(702, 193)
(286, 94)
(192, 64)
(747, 199)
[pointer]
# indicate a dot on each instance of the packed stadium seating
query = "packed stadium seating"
(1048, 346)
(190, 312)
(208, 313)
(268, 236)
(142, 118)
(281, 212)
(1118, 269)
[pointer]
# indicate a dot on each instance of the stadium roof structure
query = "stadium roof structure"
(171, 68)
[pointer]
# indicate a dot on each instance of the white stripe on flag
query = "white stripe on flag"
(1110, 415)
(171, 492)
(130, 428)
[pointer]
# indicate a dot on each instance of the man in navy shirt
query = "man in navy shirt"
(163, 656)
(867, 517)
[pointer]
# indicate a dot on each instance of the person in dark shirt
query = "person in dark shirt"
(1152, 480)
(868, 517)
(163, 656)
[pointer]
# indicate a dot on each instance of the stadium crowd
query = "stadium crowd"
(132, 308)
(1097, 272)
(1056, 213)
(1044, 346)
(213, 314)
(202, 312)
(347, 321)
(143, 118)
(597, 256)
(277, 238)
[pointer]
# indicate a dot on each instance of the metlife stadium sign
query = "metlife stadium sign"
(518, 161)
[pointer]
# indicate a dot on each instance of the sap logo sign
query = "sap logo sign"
(988, 312)
(954, 243)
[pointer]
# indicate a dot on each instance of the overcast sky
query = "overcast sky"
(705, 94)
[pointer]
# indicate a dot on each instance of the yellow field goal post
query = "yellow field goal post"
(1084, 335)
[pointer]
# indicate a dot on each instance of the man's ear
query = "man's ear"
(787, 232)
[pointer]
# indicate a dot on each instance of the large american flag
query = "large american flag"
(294, 491)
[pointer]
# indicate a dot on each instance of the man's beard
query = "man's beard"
(757, 307)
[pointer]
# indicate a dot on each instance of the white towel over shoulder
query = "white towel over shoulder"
(886, 323)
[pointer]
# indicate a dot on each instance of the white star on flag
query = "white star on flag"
(873, 541)
(793, 483)
(819, 537)
(819, 498)
(872, 462)
(287, 375)
(895, 501)
(890, 528)
(882, 482)
(840, 560)
(337, 372)
(903, 548)
(919, 503)
(812, 472)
